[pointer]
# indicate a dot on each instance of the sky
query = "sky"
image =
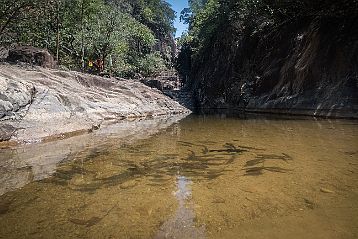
(178, 6)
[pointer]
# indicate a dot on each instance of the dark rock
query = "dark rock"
(304, 66)
(95, 127)
(165, 81)
(153, 83)
(310, 204)
(31, 55)
(6, 132)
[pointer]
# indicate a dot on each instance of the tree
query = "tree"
(130, 33)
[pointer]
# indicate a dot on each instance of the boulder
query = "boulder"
(31, 55)
(153, 83)
(14, 95)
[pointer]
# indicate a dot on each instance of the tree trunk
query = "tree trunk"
(82, 37)
(58, 31)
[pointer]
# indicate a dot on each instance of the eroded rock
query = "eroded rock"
(14, 95)
(39, 103)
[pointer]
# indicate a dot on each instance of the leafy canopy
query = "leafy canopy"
(126, 34)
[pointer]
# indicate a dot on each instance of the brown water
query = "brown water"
(200, 177)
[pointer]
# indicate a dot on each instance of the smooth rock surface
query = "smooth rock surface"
(38, 103)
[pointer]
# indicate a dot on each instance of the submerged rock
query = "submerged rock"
(4, 207)
(325, 190)
(310, 203)
(128, 184)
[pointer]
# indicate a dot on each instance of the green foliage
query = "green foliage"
(203, 22)
(209, 19)
(123, 33)
(17, 21)
(151, 64)
(156, 14)
(183, 63)
(197, 5)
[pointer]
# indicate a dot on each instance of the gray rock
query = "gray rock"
(43, 103)
(6, 132)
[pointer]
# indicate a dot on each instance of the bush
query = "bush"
(151, 64)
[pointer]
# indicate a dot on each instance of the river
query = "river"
(201, 176)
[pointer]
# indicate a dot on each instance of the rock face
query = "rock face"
(32, 55)
(39, 103)
(166, 81)
(170, 84)
(305, 66)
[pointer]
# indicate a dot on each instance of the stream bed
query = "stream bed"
(186, 177)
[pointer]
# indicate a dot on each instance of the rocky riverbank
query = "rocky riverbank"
(38, 104)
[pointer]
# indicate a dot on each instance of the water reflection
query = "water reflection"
(182, 224)
(25, 163)
(247, 177)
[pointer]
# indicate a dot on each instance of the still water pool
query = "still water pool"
(196, 177)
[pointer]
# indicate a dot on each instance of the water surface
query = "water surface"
(198, 177)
